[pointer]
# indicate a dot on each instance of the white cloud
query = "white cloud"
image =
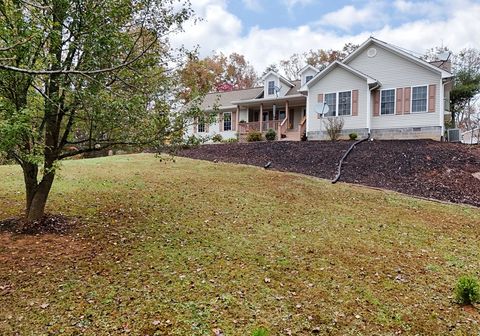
(253, 5)
(347, 17)
(222, 31)
(292, 3)
(218, 27)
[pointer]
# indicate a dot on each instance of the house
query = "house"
(379, 89)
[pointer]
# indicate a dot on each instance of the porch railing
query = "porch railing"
(256, 125)
(302, 126)
(282, 127)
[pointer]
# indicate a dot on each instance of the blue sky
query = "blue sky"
(270, 14)
(267, 31)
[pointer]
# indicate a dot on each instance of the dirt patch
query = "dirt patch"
(425, 168)
(56, 224)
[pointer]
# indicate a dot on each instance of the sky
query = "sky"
(267, 31)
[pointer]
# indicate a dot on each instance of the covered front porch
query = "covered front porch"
(286, 116)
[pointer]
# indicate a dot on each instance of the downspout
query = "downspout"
(369, 106)
(442, 108)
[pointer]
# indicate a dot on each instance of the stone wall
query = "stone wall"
(322, 135)
(409, 133)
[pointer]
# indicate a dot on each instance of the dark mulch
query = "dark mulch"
(423, 168)
(57, 224)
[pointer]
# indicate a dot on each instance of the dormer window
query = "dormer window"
(271, 87)
(308, 78)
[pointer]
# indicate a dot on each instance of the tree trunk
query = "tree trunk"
(37, 198)
(30, 175)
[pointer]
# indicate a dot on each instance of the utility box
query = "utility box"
(453, 135)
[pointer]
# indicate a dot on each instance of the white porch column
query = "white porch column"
(261, 117)
(237, 119)
(287, 114)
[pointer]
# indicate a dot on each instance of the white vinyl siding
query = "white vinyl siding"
(345, 103)
(419, 99)
(338, 80)
(393, 71)
(387, 102)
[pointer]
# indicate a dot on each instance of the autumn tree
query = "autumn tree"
(465, 66)
(81, 76)
(216, 73)
(292, 66)
(319, 59)
(272, 67)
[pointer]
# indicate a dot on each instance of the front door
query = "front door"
(265, 121)
(291, 115)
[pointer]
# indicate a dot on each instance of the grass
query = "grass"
(190, 247)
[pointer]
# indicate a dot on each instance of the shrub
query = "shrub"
(333, 126)
(467, 290)
(217, 138)
(231, 140)
(353, 136)
(254, 136)
(192, 141)
(260, 332)
(271, 135)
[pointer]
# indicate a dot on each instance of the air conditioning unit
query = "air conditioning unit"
(454, 135)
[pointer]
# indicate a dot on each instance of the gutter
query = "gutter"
(264, 100)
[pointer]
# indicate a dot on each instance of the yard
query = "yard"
(199, 248)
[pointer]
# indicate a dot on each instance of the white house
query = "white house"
(379, 89)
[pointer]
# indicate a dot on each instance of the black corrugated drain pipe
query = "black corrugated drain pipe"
(339, 172)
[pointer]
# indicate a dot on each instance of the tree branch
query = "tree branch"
(78, 72)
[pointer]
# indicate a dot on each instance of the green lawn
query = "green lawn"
(185, 247)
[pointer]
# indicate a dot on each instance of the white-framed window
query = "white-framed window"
(227, 121)
(345, 103)
(387, 102)
(419, 99)
(308, 78)
(271, 87)
(331, 101)
(201, 126)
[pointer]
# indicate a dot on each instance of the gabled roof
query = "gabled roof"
(332, 66)
(398, 51)
(306, 67)
(283, 79)
(293, 93)
(224, 100)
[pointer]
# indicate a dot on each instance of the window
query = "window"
(227, 121)
(201, 126)
(308, 78)
(331, 101)
(387, 102)
(419, 99)
(271, 87)
(344, 103)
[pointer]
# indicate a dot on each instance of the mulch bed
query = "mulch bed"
(425, 168)
(56, 224)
